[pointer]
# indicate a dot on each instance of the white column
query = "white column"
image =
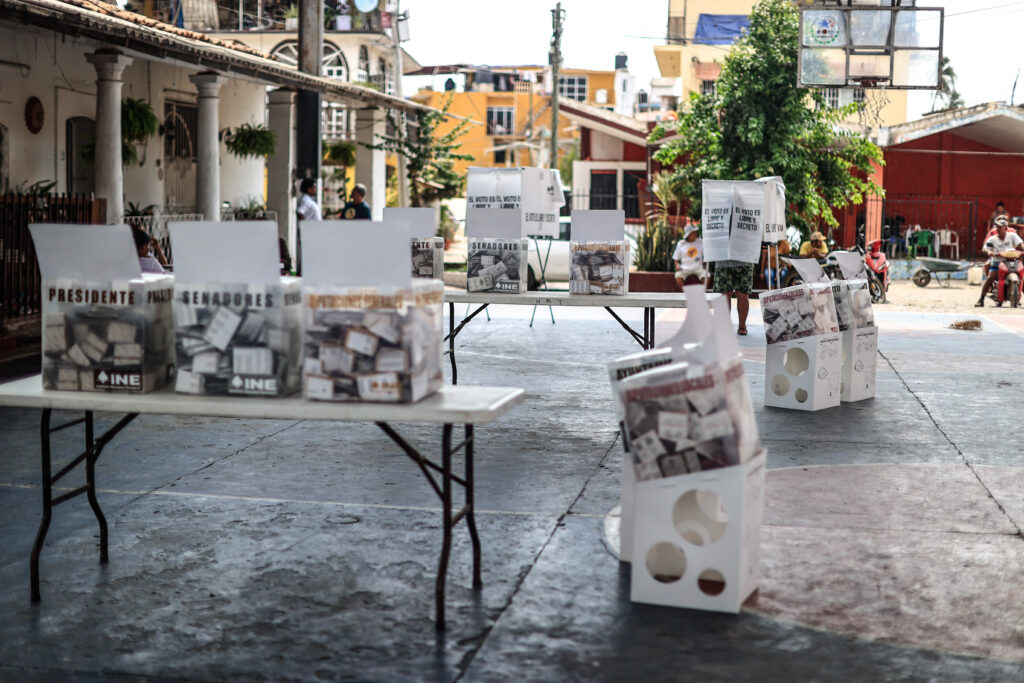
(110, 65)
(371, 126)
(207, 144)
(281, 165)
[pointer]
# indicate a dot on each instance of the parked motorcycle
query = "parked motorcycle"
(1011, 279)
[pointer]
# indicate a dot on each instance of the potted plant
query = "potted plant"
(446, 226)
(655, 271)
(250, 140)
(138, 124)
(291, 18)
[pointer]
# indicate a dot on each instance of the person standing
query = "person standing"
(308, 209)
(357, 208)
(736, 278)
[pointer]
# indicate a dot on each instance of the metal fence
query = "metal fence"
(19, 269)
(156, 225)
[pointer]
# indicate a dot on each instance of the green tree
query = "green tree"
(429, 157)
(947, 88)
(759, 123)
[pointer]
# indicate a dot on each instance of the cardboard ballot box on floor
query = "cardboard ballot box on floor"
(427, 250)
(803, 360)
(598, 253)
(857, 325)
(698, 467)
(237, 321)
(496, 251)
(536, 192)
(370, 331)
(105, 325)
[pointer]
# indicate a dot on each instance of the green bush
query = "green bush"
(654, 247)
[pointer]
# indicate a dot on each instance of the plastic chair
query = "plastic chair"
(923, 239)
(950, 239)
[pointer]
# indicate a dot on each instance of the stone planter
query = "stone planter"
(646, 281)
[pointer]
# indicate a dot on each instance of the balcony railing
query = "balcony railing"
(267, 15)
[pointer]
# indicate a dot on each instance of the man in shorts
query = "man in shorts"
(995, 245)
(736, 278)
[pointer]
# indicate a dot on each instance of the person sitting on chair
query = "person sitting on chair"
(815, 247)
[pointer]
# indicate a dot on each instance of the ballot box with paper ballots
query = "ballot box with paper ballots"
(803, 360)
(105, 325)
(859, 332)
(598, 253)
(698, 464)
(370, 331)
(536, 192)
(496, 251)
(237, 321)
(427, 250)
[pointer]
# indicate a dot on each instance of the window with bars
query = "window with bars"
(181, 124)
(573, 87)
(501, 120)
(708, 87)
(859, 95)
(838, 97)
(335, 121)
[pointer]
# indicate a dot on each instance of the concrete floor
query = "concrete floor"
(278, 550)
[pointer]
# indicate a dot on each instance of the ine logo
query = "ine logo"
(256, 386)
(117, 381)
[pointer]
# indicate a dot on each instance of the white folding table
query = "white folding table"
(466, 405)
(649, 301)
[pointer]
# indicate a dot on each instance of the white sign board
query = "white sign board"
(535, 191)
(598, 226)
(356, 254)
(420, 220)
(226, 253)
(90, 253)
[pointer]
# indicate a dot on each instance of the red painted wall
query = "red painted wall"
(918, 183)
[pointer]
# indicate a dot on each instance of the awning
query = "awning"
(995, 124)
(720, 29)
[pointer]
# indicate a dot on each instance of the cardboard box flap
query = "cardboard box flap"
(224, 253)
(852, 265)
(420, 220)
(502, 224)
(598, 226)
(356, 254)
(91, 253)
(809, 269)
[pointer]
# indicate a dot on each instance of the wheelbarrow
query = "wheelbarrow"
(923, 275)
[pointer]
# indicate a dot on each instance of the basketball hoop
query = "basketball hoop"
(875, 99)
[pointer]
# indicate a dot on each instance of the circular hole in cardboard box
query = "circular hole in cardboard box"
(666, 562)
(796, 362)
(699, 517)
(780, 385)
(711, 582)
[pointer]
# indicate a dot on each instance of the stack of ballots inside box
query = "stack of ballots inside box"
(800, 311)
(497, 251)
(106, 326)
(371, 333)
(427, 250)
(237, 322)
(599, 253)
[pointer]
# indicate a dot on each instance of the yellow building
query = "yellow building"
(511, 108)
(700, 34)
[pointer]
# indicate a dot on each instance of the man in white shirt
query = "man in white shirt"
(307, 209)
(995, 245)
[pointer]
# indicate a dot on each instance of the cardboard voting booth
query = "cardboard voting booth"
(860, 334)
(427, 249)
(237, 321)
(598, 253)
(106, 326)
(803, 360)
(536, 192)
(697, 467)
(371, 332)
(496, 252)
(738, 215)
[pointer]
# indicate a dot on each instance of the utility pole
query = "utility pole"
(403, 129)
(311, 49)
(555, 57)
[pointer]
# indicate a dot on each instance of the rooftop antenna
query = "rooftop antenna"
(1014, 90)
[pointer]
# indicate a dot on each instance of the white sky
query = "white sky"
(983, 38)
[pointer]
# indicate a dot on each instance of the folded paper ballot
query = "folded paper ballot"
(599, 267)
(800, 311)
(365, 345)
(496, 265)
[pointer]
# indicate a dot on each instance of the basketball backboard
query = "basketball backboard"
(871, 44)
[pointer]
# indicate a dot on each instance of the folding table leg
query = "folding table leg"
(44, 524)
(470, 516)
(446, 516)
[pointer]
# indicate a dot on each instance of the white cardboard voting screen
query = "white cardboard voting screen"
(537, 192)
(502, 224)
(89, 253)
(774, 209)
(224, 253)
(420, 220)
(809, 269)
(598, 226)
(356, 254)
(852, 265)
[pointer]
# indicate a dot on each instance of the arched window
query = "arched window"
(333, 63)
(363, 69)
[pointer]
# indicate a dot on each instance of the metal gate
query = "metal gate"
(957, 216)
(180, 125)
